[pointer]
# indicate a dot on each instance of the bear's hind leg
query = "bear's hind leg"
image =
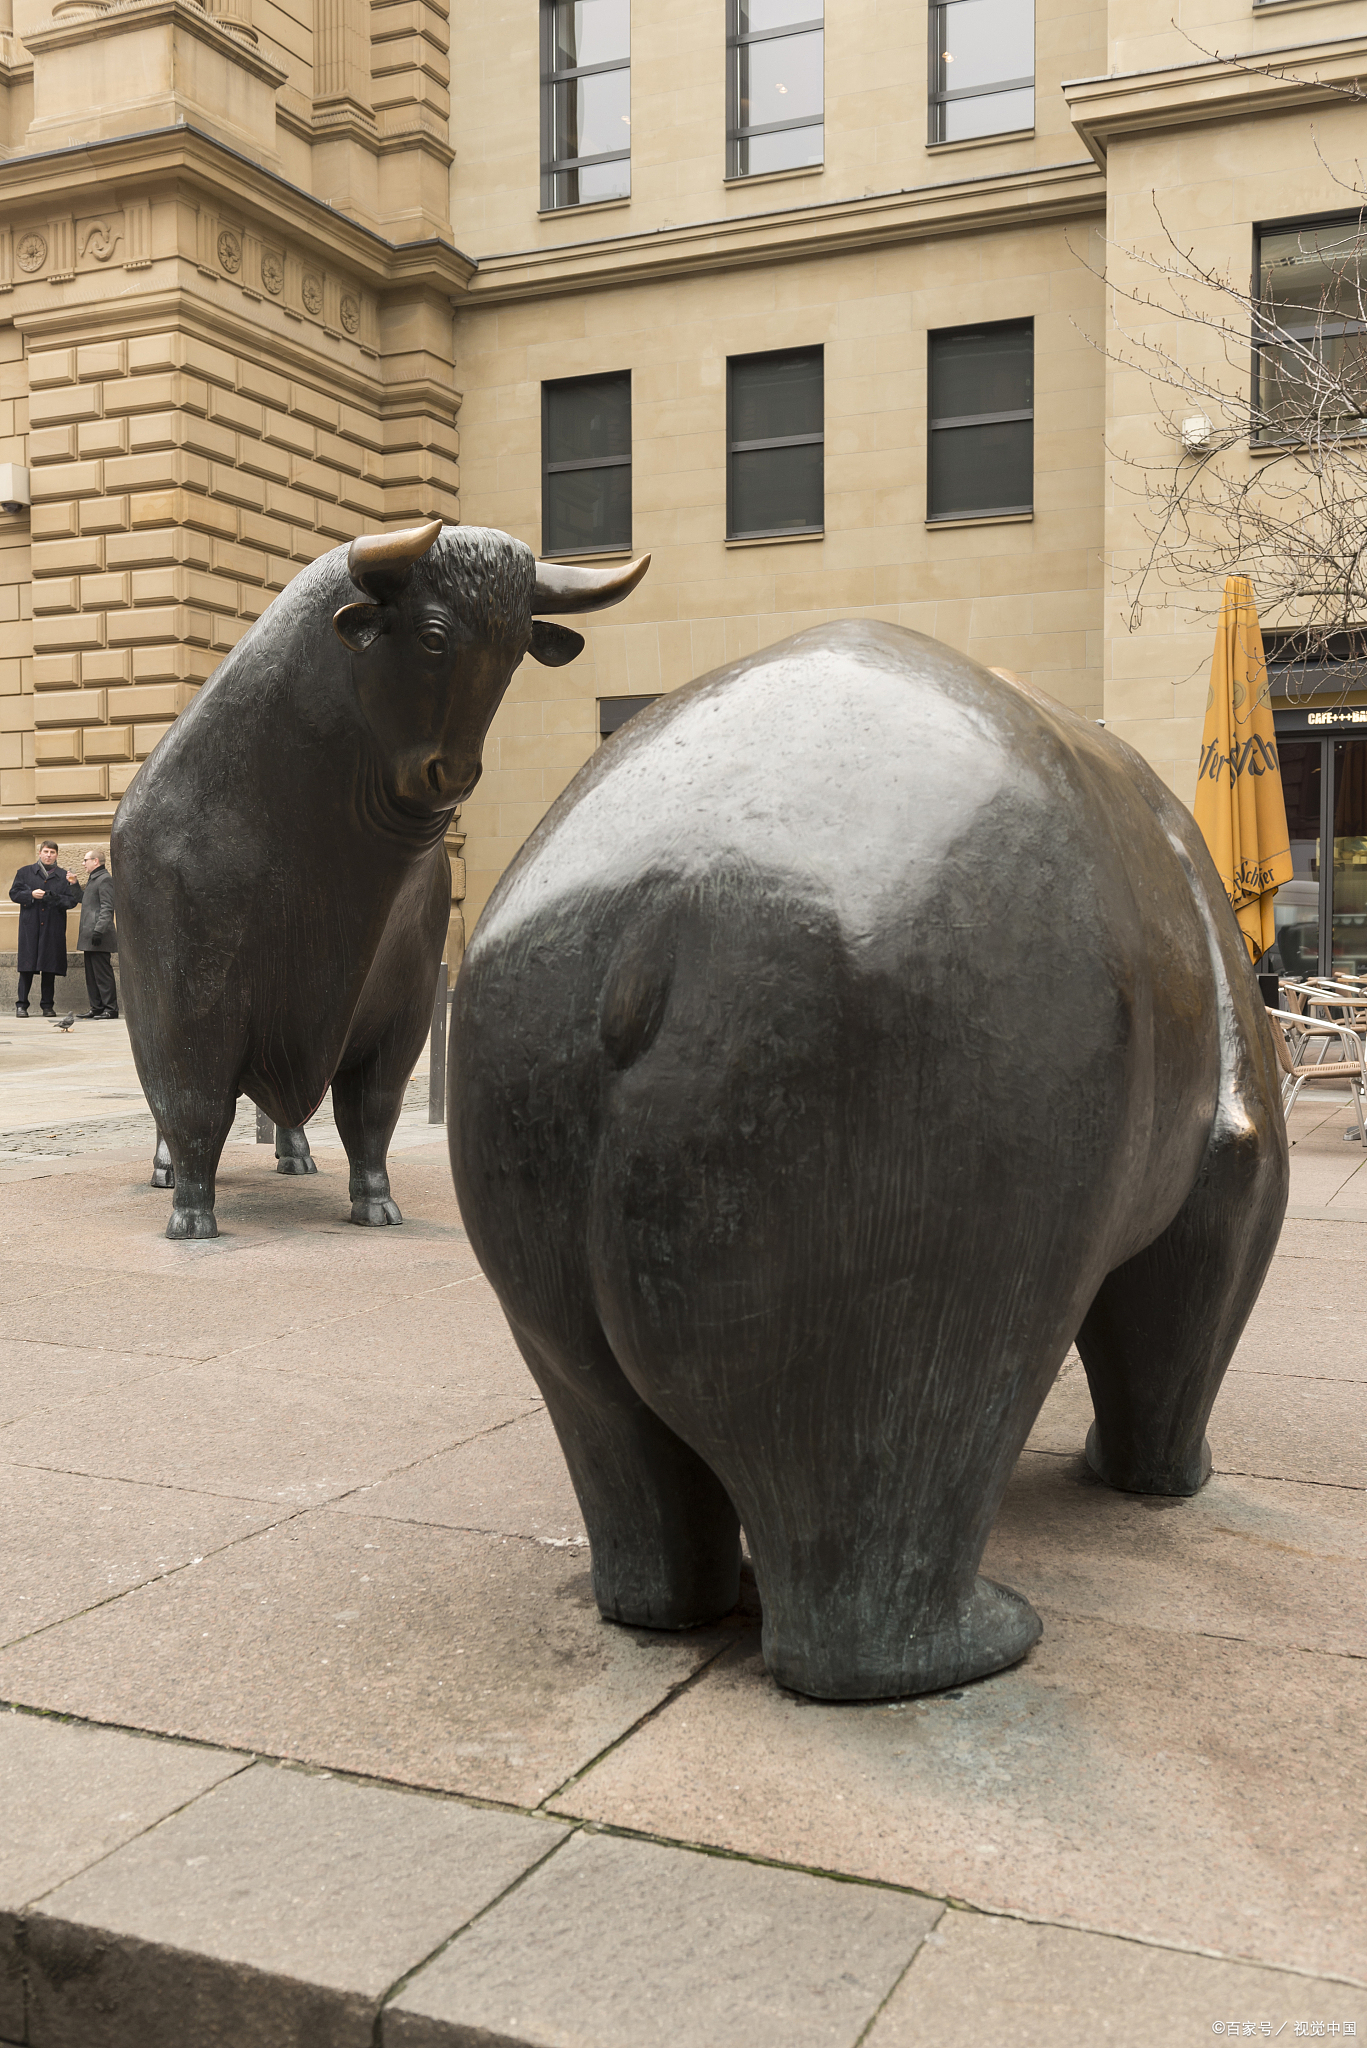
(886, 1602)
(1158, 1338)
(664, 1537)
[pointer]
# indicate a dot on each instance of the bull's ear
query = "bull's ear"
(554, 645)
(358, 626)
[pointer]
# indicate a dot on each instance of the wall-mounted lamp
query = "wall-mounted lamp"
(1195, 431)
(14, 495)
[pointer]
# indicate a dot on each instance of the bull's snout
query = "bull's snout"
(450, 782)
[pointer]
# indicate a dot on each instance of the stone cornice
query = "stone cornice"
(126, 16)
(15, 62)
(75, 817)
(1214, 89)
(395, 141)
(1053, 192)
(184, 156)
(292, 354)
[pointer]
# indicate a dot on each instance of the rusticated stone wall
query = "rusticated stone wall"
(16, 636)
(176, 488)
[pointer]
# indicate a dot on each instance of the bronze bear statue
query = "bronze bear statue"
(858, 1030)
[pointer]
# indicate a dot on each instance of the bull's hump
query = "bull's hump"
(858, 746)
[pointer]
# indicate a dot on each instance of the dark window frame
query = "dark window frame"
(936, 424)
(738, 39)
(735, 447)
(1268, 437)
(941, 96)
(553, 167)
(548, 469)
(615, 712)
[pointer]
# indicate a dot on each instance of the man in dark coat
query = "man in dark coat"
(97, 937)
(44, 894)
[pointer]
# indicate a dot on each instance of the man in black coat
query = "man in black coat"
(97, 937)
(44, 894)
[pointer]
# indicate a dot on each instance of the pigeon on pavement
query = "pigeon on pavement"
(65, 1023)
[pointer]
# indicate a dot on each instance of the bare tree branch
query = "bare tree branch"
(1270, 479)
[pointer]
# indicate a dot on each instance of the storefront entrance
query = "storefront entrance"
(1321, 913)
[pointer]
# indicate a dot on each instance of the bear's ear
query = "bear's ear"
(554, 645)
(358, 626)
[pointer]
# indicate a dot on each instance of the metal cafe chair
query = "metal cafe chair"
(1333, 1003)
(1295, 1035)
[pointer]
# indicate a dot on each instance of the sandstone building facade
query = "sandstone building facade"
(819, 311)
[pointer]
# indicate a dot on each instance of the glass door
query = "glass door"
(1297, 903)
(1348, 944)
(1321, 913)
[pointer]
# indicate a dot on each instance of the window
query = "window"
(586, 465)
(585, 101)
(613, 713)
(981, 436)
(982, 68)
(775, 440)
(774, 87)
(1312, 366)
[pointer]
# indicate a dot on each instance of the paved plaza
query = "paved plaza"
(311, 1733)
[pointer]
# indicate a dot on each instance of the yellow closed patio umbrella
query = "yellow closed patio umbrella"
(1239, 803)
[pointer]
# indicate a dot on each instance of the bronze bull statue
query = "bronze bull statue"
(284, 888)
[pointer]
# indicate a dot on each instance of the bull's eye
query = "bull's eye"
(433, 639)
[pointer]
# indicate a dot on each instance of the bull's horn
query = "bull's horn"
(562, 588)
(381, 563)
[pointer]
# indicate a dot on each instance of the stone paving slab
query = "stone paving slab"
(315, 1209)
(980, 1981)
(38, 1377)
(86, 1077)
(452, 1335)
(70, 1795)
(185, 1895)
(1283, 1427)
(204, 1315)
(1262, 1560)
(615, 1943)
(288, 1221)
(475, 1664)
(240, 1427)
(1317, 1238)
(511, 1480)
(279, 1909)
(1164, 1770)
(23, 1279)
(1179, 1789)
(1327, 1177)
(1264, 1425)
(1302, 1326)
(68, 1543)
(84, 1073)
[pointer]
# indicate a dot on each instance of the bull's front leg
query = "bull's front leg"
(366, 1101)
(195, 1152)
(163, 1172)
(292, 1154)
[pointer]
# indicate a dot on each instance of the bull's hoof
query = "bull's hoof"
(163, 1177)
(374, 1209)
(292, 1153)
(993, 1629)
(192, 1223)
(1138, 1474)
